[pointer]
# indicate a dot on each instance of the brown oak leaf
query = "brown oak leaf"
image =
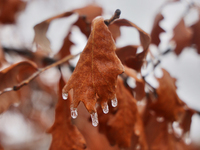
(123, 125)
(139, 92)
(83, 23)
(97, 69)
(9, 10)
(167, 103)
(136, 61)
(156, 30)
(182, 36)
(65, 135)
(10, 77)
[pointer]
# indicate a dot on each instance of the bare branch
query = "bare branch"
(34, 75)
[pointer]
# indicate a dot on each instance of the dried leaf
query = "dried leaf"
(137, 61)
(115, 30)
(155, 39)
(10, 77)
(124, 52)
(9, 10)
(182, 36)
(97, 69)
(40, 29)
(139, 92)
(65, 49)
(123, 123)
(168, 104)
(86, 15)
(65, 135)
(196, 34)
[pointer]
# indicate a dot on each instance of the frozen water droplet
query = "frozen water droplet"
(74, 112)
(160, 119)
(95, 121)
(114, 102)
(65, 96)
(105, 108)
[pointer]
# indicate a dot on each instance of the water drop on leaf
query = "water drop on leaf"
(74, 112)
(105, 108)
(94, 117)
(114, 102)
(65, 96)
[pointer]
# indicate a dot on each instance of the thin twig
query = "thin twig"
(115, 16)
(34, 75)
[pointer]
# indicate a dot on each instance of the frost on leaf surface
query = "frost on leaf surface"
(97, 69)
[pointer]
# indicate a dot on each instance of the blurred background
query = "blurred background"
(185, 67)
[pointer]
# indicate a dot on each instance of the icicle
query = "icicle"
(94, 117)
(74, 112)
(105, 108)
(65, 96)
(114, 102)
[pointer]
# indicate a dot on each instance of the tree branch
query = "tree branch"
(34, 75)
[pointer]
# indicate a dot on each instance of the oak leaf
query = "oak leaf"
(65, 135)
(9, 10)
(10, 77)
(97, 69)
(83, 23)
(182, 36)
(167, 103)
(136, 61)
(139, 90)
(123, 123)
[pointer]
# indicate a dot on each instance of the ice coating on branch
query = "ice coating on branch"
(114, 102)
(65, 96)
(94, 118)
(74, 112)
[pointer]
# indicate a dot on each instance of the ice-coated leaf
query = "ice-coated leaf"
(97, 69)
(65, 135)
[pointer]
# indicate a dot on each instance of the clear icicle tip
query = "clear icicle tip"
(65, 96)
(74, 112)
(94, 118)
(105, 108)
(114, 102)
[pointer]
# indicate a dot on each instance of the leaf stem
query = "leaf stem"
(115, 16)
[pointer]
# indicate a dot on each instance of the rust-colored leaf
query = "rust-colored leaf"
(86, 15)
(83, 23)
(9, 10)
(123, 123)
(138, 91)
(168, 104)
(136, 61)
(115, 30)
(97, 69)
(65, 135)
(124, 52)
(196, 34)
(160, 135)
(156, 30)
(10, 77)
(182, 36)
(65, 49)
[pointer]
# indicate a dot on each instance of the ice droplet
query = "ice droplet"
(74, 112)
(105, 108)
(65, 96)
(94, 117)
(114, 102)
